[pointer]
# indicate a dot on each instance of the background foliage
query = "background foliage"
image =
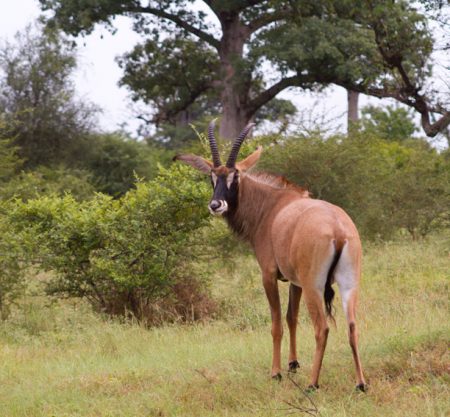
(385, 186)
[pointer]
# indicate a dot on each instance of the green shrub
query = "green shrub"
(114, 160)
(132, 256)
(12, 264)
(385, 186)
(27, 185)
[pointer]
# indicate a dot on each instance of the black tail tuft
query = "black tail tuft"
(328, 294)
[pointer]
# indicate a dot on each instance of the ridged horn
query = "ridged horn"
(213, 144)
(237, 145)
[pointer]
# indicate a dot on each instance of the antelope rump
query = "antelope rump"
(310, 243)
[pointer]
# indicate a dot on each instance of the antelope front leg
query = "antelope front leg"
(295, 294)
(271, 287)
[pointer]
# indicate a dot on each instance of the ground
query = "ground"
(60, 359)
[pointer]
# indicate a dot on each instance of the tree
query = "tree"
(9, 160)
(37, 97)
(115, 161)
(381, 48)
(352, 109)
(378, 48)
(217, 61)
(389, 123)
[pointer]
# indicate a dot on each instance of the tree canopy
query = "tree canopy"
(237, 55)
(37, 97)
(391, 124)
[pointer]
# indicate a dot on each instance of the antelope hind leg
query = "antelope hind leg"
(295, 294)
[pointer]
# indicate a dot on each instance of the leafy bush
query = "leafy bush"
(131, 256)
(385, 186)
(48, 181)
(12, 264)
(114, 161)
(9, 160)
(388, 123)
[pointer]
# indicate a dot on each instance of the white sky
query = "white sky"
(98, 74)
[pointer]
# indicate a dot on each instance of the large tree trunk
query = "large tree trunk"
(233, 118)
(352, 113)
(235, 86)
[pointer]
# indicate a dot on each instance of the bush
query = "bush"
(114, 161)
(48, 181)
(12, 264)
(132, 256)
(385, 186)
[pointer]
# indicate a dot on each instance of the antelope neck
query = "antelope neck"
(254, 204)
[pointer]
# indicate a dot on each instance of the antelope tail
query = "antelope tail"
(328, 294)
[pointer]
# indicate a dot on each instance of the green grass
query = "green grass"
(60, 359)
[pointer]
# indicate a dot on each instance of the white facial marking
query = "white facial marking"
(220, 210)
(214, 178)
(230, 178)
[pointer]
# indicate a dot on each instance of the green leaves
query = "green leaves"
(171, 75)
(395, 124)
(190, 66)
(387, 187)
(37, 98)
(119, 254)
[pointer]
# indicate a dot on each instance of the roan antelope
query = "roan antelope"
(309, 242)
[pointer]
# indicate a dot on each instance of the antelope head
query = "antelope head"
(224, 178)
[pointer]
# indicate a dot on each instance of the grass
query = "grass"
(59, 359)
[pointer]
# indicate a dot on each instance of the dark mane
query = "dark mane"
(278, 181)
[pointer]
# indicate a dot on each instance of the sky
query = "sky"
(96, 78)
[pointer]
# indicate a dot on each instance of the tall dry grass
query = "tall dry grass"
(59, 359)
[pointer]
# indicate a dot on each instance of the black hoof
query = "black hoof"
(312, 388)
(277, 377)
(362, 387)
(293, 365)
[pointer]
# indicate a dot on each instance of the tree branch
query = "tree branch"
(165, 115)
(409, 92)
(267, 18)
(416, 101)
(179, 22)
(271, 92)
(245, 4)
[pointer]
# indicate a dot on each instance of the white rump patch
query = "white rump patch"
(345, 276)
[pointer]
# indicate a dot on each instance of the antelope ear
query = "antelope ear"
(250, 161)
(195, 161)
